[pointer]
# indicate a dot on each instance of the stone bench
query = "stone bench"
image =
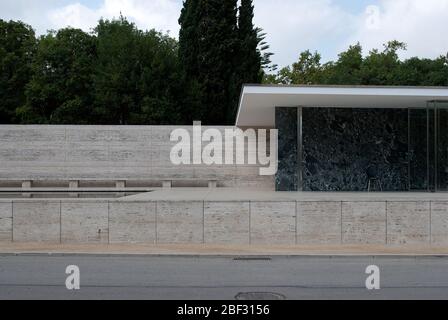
(27, 186)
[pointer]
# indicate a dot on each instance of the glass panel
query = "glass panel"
(431, 147)
(442, 146)
(418, 149)
(287, 178)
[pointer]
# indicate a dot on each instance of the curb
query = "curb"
(236, 256)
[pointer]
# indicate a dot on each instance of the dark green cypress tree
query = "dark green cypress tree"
(247, 66)
(251, 68)
(188, 36)
(208, 44)
(189, 61)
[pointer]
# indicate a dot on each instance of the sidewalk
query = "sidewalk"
(219, 250)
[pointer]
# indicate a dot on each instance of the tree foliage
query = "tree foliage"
(17, 47)
(60, 87)
(219, 49)
(119, 74)
(377, 68)
(116, 75)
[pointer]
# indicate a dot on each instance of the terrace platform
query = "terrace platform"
(232, 194)
(222, 216)
(201, 250)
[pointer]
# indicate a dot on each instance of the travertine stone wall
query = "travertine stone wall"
(36, 221)
(364, 222)
(225, 222)
(319, 222)
(132, 222)
(108, 153)
(408, 222)
(273, 223)
(439, 223)
(6, 221)
(180, 222)
(84, 222)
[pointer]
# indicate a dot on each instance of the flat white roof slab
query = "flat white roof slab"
(258, 102)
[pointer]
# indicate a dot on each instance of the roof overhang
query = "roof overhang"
(258, 102)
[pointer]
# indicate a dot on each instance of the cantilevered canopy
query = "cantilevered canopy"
(258, 102)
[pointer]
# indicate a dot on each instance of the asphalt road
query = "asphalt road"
(198, 278)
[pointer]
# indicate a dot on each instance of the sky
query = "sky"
(292, 26)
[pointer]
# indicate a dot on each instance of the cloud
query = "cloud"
(293, 26)
(74, 15)
(159, 14)
(330, 26)
(420, 24)
(31, 12)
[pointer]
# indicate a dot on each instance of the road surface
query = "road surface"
(210, 278)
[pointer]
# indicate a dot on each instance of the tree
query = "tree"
(379, 68)
(211, 43)
(162, 93)
(189, 37)
(250, 59)
(425, 72)
(138, 78)
(122, 75)
(60, 90)
(17, 47)
(116, 71)
(307, 70)
(188, 57)
(247, 60)
(263, 47)
(347, 70)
